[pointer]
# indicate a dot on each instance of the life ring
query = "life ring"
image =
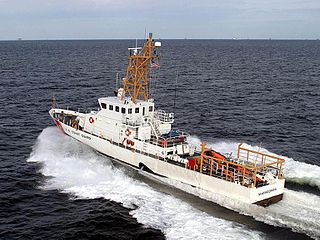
(128, 132)
(91, 120)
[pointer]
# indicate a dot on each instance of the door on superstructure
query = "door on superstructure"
(143, 111)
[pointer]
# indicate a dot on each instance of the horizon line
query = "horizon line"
(186, 38)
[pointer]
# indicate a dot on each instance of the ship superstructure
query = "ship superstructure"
(128, 127)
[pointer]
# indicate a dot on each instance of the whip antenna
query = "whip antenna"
(175, 92)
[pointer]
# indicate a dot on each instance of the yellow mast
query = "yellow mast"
(136, 82)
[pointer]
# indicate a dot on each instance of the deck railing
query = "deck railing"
(164, 116)
(260, 161)
(250, 169)
(169, 140)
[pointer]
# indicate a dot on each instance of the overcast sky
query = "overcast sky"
(91, 19)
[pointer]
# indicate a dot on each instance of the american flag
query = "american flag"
(155, 65)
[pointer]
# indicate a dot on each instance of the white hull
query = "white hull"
(128, 127)
(262, 195)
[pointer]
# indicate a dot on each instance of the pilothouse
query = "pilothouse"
(129, 128)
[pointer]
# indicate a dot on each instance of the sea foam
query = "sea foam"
(76, 169)
(298, 210)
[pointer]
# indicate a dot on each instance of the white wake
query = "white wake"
(298, 210)
(76, 169)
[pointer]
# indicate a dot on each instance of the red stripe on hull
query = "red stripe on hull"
(59, 125)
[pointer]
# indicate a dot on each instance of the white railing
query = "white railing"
(164, 116)
(133, 121)
(155, 129)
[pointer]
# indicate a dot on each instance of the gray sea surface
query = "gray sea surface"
(262, 92)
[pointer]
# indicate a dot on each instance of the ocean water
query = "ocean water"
(264, 93)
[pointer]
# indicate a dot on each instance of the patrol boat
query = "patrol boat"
(129, 128)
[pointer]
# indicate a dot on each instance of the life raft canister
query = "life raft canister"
(164, 142)
(91, 120)
(192, 163)
(243, 170)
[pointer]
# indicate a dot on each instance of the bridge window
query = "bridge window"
(150, 108)
(123, 110)
(130, 111)
(111, 107)
(137, 110)
(104, 106)
(117, 108)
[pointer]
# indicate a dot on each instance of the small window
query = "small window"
(137, 110)
(150, 108)
(117, 108)
(123, 110)
(130, 111)
(111, 107)
(104, 106)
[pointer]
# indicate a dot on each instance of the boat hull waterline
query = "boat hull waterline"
(263, 196)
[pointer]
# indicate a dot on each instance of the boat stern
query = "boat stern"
(269, 194)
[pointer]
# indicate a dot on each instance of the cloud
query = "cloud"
(171, 18)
